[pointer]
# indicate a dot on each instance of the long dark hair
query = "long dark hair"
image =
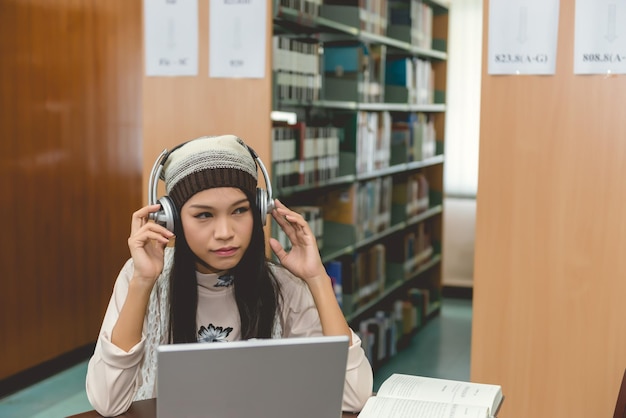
(257, 291)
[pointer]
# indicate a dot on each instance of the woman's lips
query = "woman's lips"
(225, 252)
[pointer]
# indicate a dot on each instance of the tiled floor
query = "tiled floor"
(58, 396)
(440, 349)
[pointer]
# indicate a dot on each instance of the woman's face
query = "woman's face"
(218, 226)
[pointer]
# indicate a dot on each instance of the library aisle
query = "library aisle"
(440, 349)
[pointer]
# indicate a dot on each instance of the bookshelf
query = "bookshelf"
(364, 161)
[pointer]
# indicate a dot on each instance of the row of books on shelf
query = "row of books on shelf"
(408, 254)
(364, 205)
(368, 15)
(372, 137)
(304, 155)
(412, 194)
(383, 334)
(296, 66)
(353, 71)
(409, 21)
(367, 208)
(307, 155)
(370, 206)
(409, 80)
(359, 279)
(380, 139)
(304, 7)
(413, 138)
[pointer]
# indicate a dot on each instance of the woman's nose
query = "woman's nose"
(223, 228)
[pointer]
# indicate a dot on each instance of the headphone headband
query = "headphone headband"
(266, 178)
(155, 174)
(168, 214)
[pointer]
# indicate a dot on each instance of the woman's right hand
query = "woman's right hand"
(147, 244)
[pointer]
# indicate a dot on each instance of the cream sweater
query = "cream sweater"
(116, 378)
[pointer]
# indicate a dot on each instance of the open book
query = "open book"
(406, 396)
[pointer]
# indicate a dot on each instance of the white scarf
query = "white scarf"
(158, 326)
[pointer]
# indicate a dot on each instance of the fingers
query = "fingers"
(149, 234)
(293, 224)
(286, 217)
(141, 217)
(277, 248)
(143, 230)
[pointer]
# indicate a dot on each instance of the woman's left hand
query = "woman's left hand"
(303, 260)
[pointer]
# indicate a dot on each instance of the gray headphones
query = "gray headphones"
(168, 215)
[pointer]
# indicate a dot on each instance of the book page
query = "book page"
(441, 390)
(377, 407)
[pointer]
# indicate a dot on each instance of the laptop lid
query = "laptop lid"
(278, 378)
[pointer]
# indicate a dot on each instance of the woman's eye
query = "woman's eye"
(241, 210)
(203, 215)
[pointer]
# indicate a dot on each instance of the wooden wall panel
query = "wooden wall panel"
(548, 322)
(81, 127)
(70, 170)
(177, 109)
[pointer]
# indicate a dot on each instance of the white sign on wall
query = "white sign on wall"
(171, 37)
(600, 38)
(237, 38)
(523, 36)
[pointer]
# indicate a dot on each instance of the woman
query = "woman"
(214, 284)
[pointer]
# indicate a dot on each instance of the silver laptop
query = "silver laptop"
(273, 378)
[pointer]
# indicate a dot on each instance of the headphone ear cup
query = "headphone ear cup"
(261, 202)
(168, 215)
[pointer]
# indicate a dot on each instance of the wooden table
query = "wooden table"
(147, 409)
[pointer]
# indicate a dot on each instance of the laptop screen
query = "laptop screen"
(264, 378)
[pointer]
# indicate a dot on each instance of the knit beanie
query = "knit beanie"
(207, 162)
